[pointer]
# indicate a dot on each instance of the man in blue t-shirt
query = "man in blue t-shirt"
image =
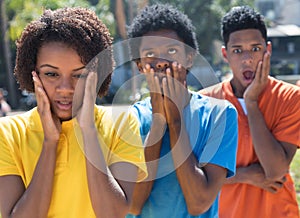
(190, 140)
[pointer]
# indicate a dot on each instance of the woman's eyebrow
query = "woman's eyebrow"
(80, 68)
(48, 65)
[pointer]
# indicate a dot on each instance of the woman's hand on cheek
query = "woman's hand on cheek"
(50, 122)
(85, 116)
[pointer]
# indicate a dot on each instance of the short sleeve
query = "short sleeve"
(221, 146)
(288, 127)
(7, 162)
(127, 144)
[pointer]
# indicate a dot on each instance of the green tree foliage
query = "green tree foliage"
(20, 12)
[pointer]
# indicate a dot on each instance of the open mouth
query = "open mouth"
(64, 105)
(249, 75)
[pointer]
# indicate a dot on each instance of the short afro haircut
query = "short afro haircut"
(157, 17)
(78, 28)
(241, 18)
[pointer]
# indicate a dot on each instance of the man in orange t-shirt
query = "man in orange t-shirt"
(268, 122)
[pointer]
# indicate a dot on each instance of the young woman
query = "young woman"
(65, 157)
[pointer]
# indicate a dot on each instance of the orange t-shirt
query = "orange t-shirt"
(280, 105)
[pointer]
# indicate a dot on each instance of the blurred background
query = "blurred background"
(282, 16)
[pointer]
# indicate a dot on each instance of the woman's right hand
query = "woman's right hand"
(50, 122)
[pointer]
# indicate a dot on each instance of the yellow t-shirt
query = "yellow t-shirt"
(21, 139)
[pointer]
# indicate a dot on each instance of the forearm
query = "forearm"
(36, 199)
(143, 189)
(242, 175)
(198, 188)
(141, 193)
(107, 197)
(269, 151)
(254, 175)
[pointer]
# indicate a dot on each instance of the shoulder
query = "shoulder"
(145, 103)
(29, 119)
(113, 116)
(17, 127)
(142, 108)
(283, 89)
(101, 111)
(216, 91)
(213, 109)
(211, 103)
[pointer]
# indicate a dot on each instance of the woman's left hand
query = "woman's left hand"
(85, 115)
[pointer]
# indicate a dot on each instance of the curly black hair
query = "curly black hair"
(241, 18)
(79, 28)
(161, 16)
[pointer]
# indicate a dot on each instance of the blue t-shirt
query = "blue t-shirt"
(212, 128)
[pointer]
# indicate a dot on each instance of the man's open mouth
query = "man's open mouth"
(249, 75)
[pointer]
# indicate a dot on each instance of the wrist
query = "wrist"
(175, 122)
(51, 142)
(158, 121)
(251, 104)
(242, 175)
(88, 130)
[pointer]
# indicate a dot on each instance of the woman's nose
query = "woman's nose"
(65, 85)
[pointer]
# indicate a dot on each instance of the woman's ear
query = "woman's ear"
(224, 53)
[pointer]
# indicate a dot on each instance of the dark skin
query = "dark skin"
(54, 89)
(169, 96)
(248, 55)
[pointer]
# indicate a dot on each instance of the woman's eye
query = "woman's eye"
(51, 74)
(81, 75)
(172, 51)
